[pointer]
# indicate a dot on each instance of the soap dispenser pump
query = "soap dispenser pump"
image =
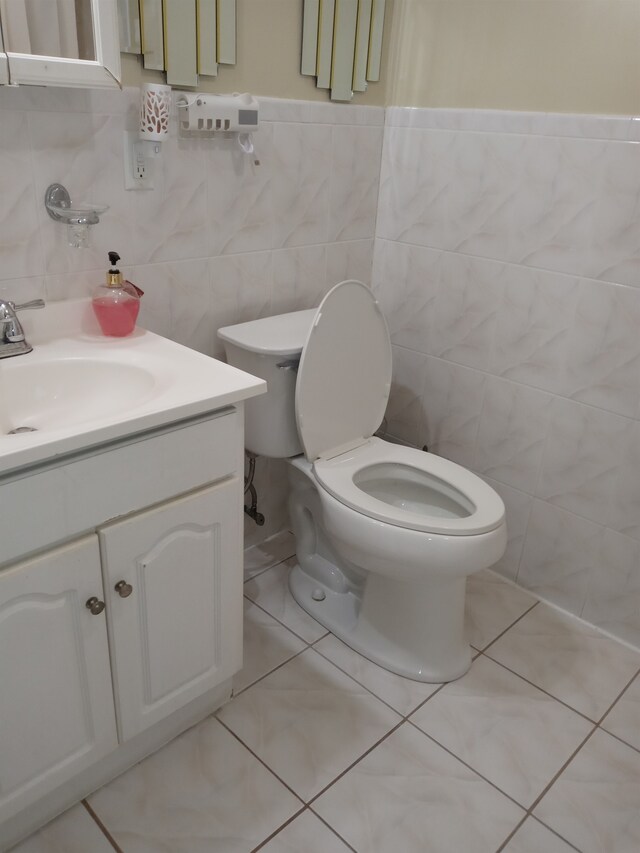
(116, 303)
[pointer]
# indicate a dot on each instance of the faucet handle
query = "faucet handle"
(34, 303)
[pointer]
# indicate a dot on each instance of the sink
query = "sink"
(78, 389)
(71, 391)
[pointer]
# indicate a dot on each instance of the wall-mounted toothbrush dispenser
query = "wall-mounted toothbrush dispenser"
(207, 113)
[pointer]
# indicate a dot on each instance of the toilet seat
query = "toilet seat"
(435, 495)
(344, 375)
(343, 384)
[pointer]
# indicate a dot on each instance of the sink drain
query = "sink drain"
(19, 430)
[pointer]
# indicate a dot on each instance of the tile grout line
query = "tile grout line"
(529, 810)
(262, 677)
(592, 720)
(279, 829)
(368, 689)
(405, 718)
(553, 394)
(330, 784)
(294, 817)
(513, 832)
(335, 831)
(102, 827)
(313, 644)
(527, 817)
(555, 778)
(280, 622)
(260, 572)
(557, 834)
(542, 690)
(265, 568)
(619, 739)
(311, 648)
(353, 763)
(264, 764)
(617, 699)
(509, 627)
(468, 766)
(501, 261)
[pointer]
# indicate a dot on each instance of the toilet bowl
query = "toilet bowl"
(386, 535)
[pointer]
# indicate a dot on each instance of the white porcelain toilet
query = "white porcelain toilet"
(386, 535)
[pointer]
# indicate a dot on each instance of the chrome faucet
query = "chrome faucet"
(12, 339)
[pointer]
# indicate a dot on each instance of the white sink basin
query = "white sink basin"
(71, 391)
(78, 389)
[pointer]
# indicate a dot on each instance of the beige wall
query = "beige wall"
(268, 57)
(580, 56)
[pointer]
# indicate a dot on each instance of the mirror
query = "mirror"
(60, 28)
(151, 34)
(342, 44)
(61, 42)
(129, 26)
(180, 43)
(185, 40)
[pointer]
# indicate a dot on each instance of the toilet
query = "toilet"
(386, 535)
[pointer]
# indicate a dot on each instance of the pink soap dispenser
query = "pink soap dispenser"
(116, 303)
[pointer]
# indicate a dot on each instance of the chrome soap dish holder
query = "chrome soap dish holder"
(77, 217)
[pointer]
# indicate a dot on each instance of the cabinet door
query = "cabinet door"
(178, 632)
(56, 701)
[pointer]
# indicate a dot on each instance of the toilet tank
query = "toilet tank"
(270, 348)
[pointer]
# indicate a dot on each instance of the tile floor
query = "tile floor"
(535, 750)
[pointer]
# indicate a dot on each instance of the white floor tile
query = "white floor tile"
(271, 591)
(403, 694)
(595, 803)
(74, 831)
(491, 606)
(533, 837)
(569, 659)
(306, 833)
(268, 553)
(624, 718)
(203, 791)
(267, 644)
(409, 795)
(509, 731)
(308, 721)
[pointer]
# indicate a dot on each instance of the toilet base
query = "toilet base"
(427, 649)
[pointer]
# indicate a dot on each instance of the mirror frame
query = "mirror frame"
(103, 72)
(4, 64)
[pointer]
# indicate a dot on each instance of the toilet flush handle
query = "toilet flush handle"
(290, 364)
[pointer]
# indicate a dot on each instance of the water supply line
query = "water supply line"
(252, 511)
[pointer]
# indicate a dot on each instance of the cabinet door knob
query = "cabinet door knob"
(95, 605)
(123, 589)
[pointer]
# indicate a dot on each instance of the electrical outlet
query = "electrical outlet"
(139, 163)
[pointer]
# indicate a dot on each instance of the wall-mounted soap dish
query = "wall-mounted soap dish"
(77, 217)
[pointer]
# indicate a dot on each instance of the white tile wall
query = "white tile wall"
(507, 260)
(218, 241)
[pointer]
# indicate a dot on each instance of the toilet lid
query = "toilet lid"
(344, 375)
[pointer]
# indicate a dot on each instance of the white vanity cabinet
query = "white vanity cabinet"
(174, 614)
(125, 626)
(56, 702)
